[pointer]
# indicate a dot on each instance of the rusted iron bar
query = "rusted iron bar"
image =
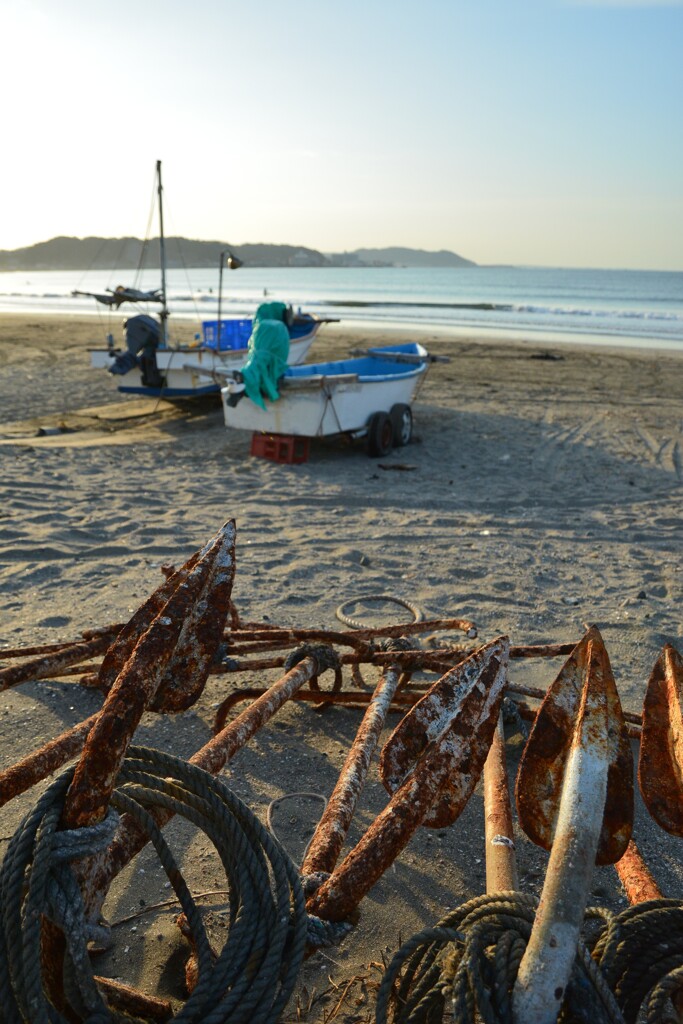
(660, 766)
(32, 652)
(639, 885)
(538, 694)
(185, 633)
(575, 781)
(278, 637)
(529, 714)
(112, 630)
(75, 670)
(219, 750)
(501, 862)
(450, 739)
(330, 833)
(350, 698)
(96, 875)
(635, 876)
(49, 665)
(41, 763)
(134, 1003)
(518, 651)
(402, 629)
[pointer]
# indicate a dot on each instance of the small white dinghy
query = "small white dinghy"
(367, 396)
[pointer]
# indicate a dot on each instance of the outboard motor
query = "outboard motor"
(142, 335)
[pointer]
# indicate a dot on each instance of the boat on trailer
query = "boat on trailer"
(368, 396)
(150, 364)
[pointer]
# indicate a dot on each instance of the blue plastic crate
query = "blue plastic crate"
(234, 334)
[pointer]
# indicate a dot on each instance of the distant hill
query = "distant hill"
(66, 253)
(401, 257)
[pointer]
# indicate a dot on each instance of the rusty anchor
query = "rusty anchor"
(574, 796)
(440, 745)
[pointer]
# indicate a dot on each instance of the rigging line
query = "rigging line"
(92, 262)
(148, 229)
(118, 260)
(181, 259)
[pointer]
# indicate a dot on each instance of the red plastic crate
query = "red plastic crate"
(284, 448)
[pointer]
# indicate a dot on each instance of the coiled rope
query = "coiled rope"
(465, 967)
(253, 976)
(355, 624)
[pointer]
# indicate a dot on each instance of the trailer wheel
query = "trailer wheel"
(402, 422)
(380, 434)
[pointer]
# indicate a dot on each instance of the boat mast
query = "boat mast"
(163, 316)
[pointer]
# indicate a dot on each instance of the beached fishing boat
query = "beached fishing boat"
(147, 366)
(367, 396)
(150, 364)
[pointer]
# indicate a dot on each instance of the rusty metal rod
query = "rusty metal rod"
(134, 1003)
(501, 862)
(40, 668)
(538, 694)
(639, 885)
(330, 834)
(635, 876)
(529, 715)
(349, 698)
(32, 652)
(42, 762)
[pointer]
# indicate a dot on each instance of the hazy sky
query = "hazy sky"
(510, 131)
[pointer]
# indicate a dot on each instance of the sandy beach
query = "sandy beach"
(542, 491)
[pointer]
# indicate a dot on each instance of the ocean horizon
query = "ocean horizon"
(634, 308)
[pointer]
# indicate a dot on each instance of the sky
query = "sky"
(529, 132)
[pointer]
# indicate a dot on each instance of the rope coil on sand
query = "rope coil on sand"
(471, 958)
(255, 973)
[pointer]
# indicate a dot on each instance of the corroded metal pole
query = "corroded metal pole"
(501, 862)
(42, 668)
(329, 836)
(640, 886)
(41, 763)
(635, 876)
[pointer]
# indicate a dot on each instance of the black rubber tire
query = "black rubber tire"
(402, 422)
(380, 434)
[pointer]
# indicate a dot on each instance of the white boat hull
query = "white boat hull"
(322, 405)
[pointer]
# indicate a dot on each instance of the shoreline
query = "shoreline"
(186, 327)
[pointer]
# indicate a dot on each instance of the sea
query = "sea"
(626, 308)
